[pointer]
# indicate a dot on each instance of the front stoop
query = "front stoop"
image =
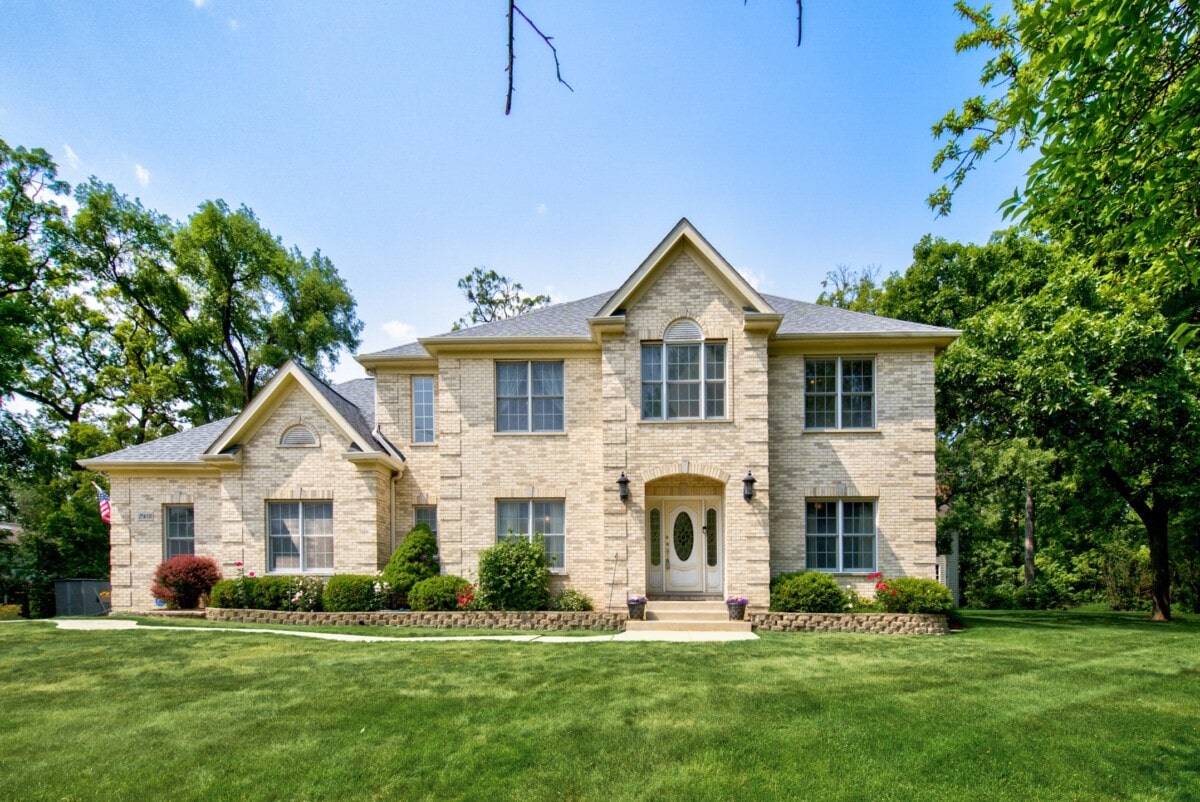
(687, 616)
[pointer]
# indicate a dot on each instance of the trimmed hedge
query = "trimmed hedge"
(287, 593)
(806, 592)
(908, 594)
(437, 593)
(355, 593)
(571, 601)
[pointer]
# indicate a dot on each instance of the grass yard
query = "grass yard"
(1019, 706)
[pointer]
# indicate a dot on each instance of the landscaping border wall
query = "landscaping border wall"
(541, 621)
(875, 623)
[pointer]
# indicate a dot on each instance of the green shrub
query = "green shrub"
(413, 560)
(355, 593)
(181, 581)
(437, 593)
(571, 601)
(907, 594)
(513, 576)
(807, 592)
(10, 612)
(269, 592)
(224, 594)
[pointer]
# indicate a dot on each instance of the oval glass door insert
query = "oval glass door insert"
(684, 536)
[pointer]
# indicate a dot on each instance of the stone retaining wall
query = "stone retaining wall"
(525, 621)
(878, 623)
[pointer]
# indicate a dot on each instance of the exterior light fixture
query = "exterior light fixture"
(623, 483)
(748, 486)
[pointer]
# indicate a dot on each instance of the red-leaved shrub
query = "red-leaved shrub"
(181, 581)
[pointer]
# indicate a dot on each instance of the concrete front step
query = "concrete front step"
(685, 615)
(687, 626)
(711, 607)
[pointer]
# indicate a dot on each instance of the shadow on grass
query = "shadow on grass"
(1075, 620)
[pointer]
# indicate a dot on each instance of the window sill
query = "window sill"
(423, 445)
(681, 421)
(844, 431)
(298, 573)
(530, 434)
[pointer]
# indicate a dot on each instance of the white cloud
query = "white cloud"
(758, 281)
(72, 157)
(200, 3)
(541, 209)
(143, 175)
(399, 330)
(234, 25)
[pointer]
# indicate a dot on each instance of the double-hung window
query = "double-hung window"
(529, 396)
(300, 536)
(422, 409)
(839, 393)
(840, 536)
(179, 530)
(427, 515)
(683, 377)
(530, 517)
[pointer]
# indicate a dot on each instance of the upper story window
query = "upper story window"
(422, 408)
(299, 435)
(529, 396)
(179, 530)
(839, 393)
(683, 377)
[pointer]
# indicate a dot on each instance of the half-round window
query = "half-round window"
(299, 435)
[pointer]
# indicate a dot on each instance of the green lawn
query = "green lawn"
(1019, 706)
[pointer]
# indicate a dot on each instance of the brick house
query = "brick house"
(683, 436)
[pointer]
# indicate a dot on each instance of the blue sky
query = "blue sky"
(375, 131)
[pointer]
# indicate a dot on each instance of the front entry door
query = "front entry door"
(685, 551)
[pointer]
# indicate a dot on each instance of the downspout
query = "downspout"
(395, 479)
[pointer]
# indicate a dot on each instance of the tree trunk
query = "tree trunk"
(1160, 563)
(1030, 545)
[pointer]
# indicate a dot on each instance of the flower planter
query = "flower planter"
(637, 611)
(737, 612)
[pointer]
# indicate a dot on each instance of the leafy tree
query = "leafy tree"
(495, 297)
(27, 211)
(258, 303)
(856, 290)
(1109, 94)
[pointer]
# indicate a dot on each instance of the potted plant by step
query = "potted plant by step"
(737, 607)
(637, 607)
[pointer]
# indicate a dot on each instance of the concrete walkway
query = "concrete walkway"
(94, 624)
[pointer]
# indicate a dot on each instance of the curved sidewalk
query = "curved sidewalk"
(94, 624)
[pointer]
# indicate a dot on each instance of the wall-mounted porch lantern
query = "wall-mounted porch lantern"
(623, 483)
(748, 486)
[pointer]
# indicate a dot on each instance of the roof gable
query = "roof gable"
(341, 412)
(685, 236)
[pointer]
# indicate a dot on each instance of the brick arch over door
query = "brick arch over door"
(686, 467)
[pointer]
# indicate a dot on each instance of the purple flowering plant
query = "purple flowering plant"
(636, 600)
(742, 600)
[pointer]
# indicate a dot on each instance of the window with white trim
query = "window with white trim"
(528, 518)
(179, 530)
(839, 393)
(839, 536)
(300, 536)
(683, 377)
(422, 409)
(426, 515)
(529, 396)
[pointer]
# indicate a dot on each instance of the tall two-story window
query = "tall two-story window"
(839, 393)
(840, 536)
(529, 396)
(300, 536)
(683, 377)
(529, 517)
(422, 408)
(179, 530)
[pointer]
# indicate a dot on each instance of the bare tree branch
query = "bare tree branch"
(512, 7)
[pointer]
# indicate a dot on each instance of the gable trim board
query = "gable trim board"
(368, 467)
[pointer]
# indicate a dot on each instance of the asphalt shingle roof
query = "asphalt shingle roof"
(188, 445)
(802, 317)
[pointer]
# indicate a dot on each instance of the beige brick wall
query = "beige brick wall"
(230, 505)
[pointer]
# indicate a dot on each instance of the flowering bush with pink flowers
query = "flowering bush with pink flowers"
(908, 594)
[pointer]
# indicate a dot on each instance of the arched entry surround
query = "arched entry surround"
(685, 549)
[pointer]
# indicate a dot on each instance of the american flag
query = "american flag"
(105, 504)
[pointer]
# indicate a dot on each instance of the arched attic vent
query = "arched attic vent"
(299, 435)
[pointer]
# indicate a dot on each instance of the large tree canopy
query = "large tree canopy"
(1109, 95)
